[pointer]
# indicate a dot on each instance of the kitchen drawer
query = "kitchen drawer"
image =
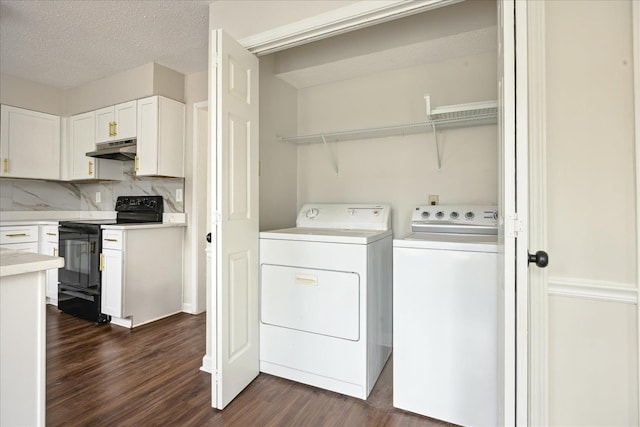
(112, 239)
(25, 247)
(49, 233)
(19, 234)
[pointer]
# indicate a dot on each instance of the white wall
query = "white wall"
(195, 194)
(593, 352)
(146, 80)
(401, 171)
(30, 95)
(278, 160)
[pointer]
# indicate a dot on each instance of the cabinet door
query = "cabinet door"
(147, 145)
(160, 137)
(82, 140)
(104, 119)
(29, 144)
(112, 283)
(49, 246)
(125, 119)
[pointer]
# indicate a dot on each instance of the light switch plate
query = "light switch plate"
(179, 195)
(98, 197)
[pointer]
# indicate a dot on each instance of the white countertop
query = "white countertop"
(19, 217)
(141, 226)
(12, 218)
(19, 262)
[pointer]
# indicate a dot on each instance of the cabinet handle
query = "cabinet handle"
(112, 130)
(136, 164)
(51, 234)
(101, 262)
(55, 251)
(115, 128)
(5, 165)
(17, 235)
(110, 240)
(90, 168)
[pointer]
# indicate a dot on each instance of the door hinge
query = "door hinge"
(513, 226)
(217, 217)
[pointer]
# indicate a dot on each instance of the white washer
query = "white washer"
(445, 290)
(325, 289)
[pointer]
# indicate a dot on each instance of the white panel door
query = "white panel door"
(513, 286)
(234, 127)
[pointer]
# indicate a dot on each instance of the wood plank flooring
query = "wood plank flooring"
(149, 376)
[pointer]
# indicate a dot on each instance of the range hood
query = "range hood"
(119, 150)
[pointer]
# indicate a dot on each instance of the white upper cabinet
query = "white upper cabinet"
(82, 139)
(116, 123)
(160, 135)
(29, 144)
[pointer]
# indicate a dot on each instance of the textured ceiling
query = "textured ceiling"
(68, 43)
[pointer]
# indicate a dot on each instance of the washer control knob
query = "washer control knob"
(312, 213)
(469, 215)
(439, 214)
(495, 215)
(425, 214)
(454, 215)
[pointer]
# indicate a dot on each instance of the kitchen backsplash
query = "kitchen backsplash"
(28, 195)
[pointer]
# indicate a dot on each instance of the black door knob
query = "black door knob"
(540, 258)
(209, 237)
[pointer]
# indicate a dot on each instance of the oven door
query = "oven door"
(80, 248)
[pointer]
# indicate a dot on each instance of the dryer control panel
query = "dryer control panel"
(345, 216)
(455, 219)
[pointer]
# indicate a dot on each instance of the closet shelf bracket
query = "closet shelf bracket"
(332, 156)
(435, 138)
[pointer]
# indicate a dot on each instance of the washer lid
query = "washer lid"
(451, 242)
(360, 237)
(345, 216)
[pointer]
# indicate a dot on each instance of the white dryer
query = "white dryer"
(325, 297)
(445, 321)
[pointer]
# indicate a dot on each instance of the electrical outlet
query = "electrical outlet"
(433, 199)
(179, 195)
(98, 197)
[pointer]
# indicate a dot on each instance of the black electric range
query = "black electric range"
(80, 244)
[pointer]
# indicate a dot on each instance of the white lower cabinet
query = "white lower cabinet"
(112, 301)
(141, 273)
(20, 238)
(49, 246)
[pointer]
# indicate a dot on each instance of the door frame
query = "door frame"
(367, 13)
(538, 292)
(538, 221)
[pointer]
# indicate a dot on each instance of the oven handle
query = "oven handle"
(75, 230)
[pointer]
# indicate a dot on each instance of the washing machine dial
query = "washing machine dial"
(312, 213)
(439, 214)
(469, 215)
(425, 214)
(454, 215)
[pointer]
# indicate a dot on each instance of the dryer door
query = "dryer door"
(321, 302)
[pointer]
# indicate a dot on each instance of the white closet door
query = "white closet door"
(234, 126)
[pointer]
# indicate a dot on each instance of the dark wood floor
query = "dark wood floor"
(149, 376)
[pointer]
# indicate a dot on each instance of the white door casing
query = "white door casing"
(234, 125)
(511, 12)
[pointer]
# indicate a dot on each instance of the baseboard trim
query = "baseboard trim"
(593, 290)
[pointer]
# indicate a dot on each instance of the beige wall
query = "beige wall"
(401, 171)
(278, 160)
(32, 96)
(593, 352)
(146, 80)
(245, 18)
(195, 193)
